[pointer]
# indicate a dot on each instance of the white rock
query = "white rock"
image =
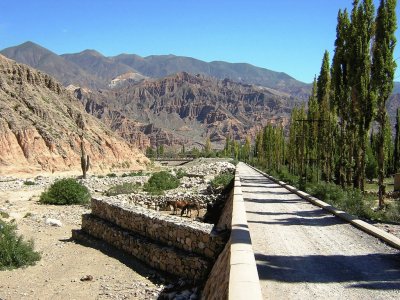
(53, 222)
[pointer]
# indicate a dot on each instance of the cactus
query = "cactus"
(85, 161)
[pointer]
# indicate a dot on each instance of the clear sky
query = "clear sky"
(283, 35)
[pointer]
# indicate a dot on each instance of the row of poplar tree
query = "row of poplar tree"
(345, 125)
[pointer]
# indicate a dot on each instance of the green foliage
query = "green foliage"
(4, 214)
(180, 173)
(150, 153)
(234, 162)
(396, 154)
(124, 188)
(133, 174)
(29, 182)
(14, 251)
(371, 168)
(111, 175)
(64, 192)
(284, 175)
(161, 181)
(221, 181)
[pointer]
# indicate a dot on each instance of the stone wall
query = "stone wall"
(217, 284)
(159, 202)
(158, 256)
(170, 230)
(179, 246)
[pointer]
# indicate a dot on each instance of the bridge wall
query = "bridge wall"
(234, 274)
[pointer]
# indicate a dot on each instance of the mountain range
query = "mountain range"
(173, 100)
(93, 70)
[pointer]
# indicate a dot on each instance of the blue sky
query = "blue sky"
(283, 35)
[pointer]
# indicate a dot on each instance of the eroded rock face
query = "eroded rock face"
(185, 109)
(40, 127)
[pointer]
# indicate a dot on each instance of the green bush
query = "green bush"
(4, 214)
(125, 188)
(112, 175)
(350, 200)
(132, 174)
(161, 181)
(28, 182)
(221, 181)
(234, 162)
(65, 191)
(14, 251)
(180, 173)
(284, 175)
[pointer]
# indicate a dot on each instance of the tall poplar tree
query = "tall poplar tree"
(362, 105)
(324, 136)
(396, 154)
(341, 96)
(313, 129)
(383, 68)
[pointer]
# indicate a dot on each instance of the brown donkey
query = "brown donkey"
(175, 204)
(188, 208)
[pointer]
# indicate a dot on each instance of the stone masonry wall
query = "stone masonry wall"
(161, 257)
(173, 231)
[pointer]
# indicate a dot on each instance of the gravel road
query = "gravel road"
(302, 252)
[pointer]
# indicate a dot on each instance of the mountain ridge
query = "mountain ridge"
(78, 68)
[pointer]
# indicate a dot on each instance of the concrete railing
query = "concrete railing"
(234, 275)
(244, 282)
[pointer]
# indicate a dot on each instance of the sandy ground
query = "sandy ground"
(64, 263)
(302, 252)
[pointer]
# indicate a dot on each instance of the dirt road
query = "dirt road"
(303, 252)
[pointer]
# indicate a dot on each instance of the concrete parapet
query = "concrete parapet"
(234, 275)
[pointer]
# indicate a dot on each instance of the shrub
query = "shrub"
(161, 181)
(125, 188)
(4, 214)
(234, 162)
(65, 191)
(28, 182)
(112, 175)
(221, 181)
(132, 174)
(14, 251)
(180, 173)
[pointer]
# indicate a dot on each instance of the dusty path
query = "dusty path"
(304, 253)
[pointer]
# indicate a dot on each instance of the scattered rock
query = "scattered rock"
(87, 278)
(53, 222)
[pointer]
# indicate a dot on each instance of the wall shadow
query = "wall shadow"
(296, 221)
(373, 271)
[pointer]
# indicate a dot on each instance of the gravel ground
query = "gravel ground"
(69, 270)
(64, 265)
(304, 253)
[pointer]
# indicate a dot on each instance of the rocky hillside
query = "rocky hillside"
(184, 108)
(40, 125)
